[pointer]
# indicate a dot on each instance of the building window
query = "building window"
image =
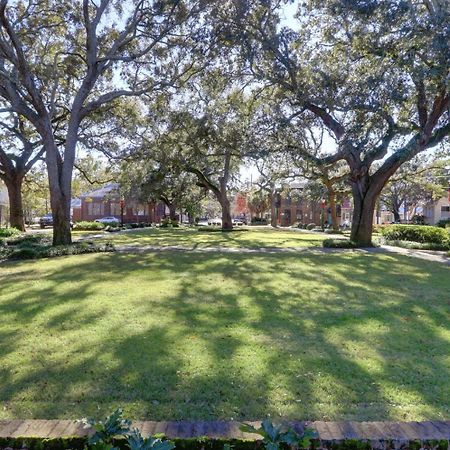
(95, 209)
(445, 208)
(299, 214)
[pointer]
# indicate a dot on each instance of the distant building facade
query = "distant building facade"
(4, 205)
(438, 210)
(105, 202)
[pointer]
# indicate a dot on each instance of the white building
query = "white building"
(438, 210)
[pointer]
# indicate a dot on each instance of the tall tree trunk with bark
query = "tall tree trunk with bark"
(222, 196)
(172, 212)
(365, 194)
(16, 216)
(332, 201)
(60, 184)
(273, 207)
(227, 223)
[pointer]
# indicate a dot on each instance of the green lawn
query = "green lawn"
(215, 335)
(193, 238)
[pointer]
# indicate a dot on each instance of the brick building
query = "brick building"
(105, 202)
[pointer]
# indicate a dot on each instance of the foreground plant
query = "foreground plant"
(275, 436)
(115, 428)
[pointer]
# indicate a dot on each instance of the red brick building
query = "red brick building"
(105, 202)
(293, 209)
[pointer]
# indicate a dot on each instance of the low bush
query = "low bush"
(24, 253)
(111, 229)
(9, 232)
(338, 243)
(88, 226)
(35, 249)
(444, 223)
(258, 221)
(215, 229)
(418, 245)
(168, 223)
(311, 226)
(416, 233)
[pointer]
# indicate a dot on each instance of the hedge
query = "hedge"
(88, 226)
(416, 233)
(206, 443)
(339, 243)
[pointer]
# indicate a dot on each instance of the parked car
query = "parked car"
(237, 222)
(215, 221)
(203, 222)
(46, 221)
(106, 220)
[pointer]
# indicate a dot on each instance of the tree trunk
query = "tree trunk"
(227, 223)
(16, 216)
(172, 212)
(273, 208)
(396, 213)
(59, 179)
(61, 219)
(364, 200)
(334, 218)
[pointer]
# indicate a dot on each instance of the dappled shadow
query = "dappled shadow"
(187, 335)
(241, 238)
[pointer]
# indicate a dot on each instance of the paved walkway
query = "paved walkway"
(326, 431)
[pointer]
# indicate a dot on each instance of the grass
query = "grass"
(214, 335)
(193, 238)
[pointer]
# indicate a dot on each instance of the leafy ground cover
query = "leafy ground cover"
(210, 335)
(194, 238)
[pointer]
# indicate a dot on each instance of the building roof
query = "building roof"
(75, 203)
(102, 191)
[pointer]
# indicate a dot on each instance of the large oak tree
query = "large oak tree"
(61, 61)
(375, 74)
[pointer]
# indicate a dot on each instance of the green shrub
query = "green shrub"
(331, 231)
(311, 226)
(112, 229)
(9, 232)
(89, 226)
(418, 245)
(29, 240)
(258, 221)
(44, 249)
(24, 253)
(443, 223)
(338, 243)
(114, 428)
(415, 233)
(275, 437)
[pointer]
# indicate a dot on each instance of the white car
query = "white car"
(237, 222)
(215, 222)
(110, 219)
(203, 223)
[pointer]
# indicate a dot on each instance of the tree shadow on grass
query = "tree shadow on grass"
(348, 336)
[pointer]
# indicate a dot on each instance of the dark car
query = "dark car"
(47, 221)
